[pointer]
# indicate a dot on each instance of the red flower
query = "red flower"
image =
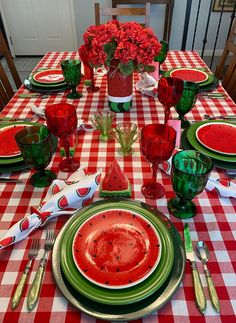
(133, 46)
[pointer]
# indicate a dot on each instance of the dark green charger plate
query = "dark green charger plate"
(218, 163)
(134, 310)
(12, 164)
(116, 296)
(45, 85)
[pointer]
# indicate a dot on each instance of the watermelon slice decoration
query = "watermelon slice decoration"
(115, 182)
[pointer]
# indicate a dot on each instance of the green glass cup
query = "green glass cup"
(126, 133)
(163, 52)
(102, 120)
(35, 145)
(186, 102)
(72, 73)
(189, 174)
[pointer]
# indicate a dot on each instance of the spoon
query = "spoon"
(203, 254)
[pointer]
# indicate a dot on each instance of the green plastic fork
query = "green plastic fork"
(35, 289)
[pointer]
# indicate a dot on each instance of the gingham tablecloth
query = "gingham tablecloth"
(215, 222)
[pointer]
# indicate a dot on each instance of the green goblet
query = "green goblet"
(72, 72)
(163, 52)
(189, 174)
(35, 145)
(186, 102)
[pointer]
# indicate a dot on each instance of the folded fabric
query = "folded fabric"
(147, 85)
(223, 186)
(63, 197)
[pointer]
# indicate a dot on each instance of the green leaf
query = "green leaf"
(127, 68)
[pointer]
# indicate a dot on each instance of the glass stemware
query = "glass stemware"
(89, 77)
(189, 174)
(157, 144)
(35, 145)
(186, 102)
(126, 133)
(61, 120)
(102, 120)
(163, 52)
(169, 92)
(72, 72)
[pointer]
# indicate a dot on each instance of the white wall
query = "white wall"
(84, 16)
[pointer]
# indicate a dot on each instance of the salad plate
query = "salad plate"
(134, 310)
(218, 136)
(49, 76)
(116, 296)
(185, 144)
(116, 248)
(15, 162)
(191, 135)
(8, 145)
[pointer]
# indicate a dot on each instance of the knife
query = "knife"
(198, 289)
(224, 117)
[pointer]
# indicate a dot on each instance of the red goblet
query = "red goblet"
(157, 144)
(89, 75)
(169, 92)
(61, 120)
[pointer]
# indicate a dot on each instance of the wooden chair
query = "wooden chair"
(6, 90)
(226, 70)
(169, 6)
(116, 12)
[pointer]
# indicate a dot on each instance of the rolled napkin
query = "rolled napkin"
(147, 85)
(223, 186)
(63, 197)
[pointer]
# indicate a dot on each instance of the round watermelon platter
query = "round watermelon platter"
(118, 259)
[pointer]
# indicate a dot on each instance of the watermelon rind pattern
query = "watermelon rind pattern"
(120, 106)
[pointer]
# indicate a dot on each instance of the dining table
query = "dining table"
(214, 223)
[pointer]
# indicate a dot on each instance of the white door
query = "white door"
(39, 26)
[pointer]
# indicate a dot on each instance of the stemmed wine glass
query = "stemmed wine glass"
(190, 171)
(160, 58)
(89, 76)
(157, 144)
(186, 101)
(169, 92)
(61, 120)
(35, 145)
(72, 72)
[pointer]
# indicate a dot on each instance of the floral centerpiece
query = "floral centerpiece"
(123, 48)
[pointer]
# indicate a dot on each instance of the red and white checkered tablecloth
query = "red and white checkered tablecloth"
(215, 222)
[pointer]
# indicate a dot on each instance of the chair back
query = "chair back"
(6, 89)
(114, 13)
(226, 70)
(169, 6)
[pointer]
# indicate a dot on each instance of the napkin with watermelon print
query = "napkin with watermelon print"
(223, 186)
(63, 197)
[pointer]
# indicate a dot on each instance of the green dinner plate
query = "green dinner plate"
(46, 89)
(116, 296)
(13, 168)
(191, 135)
(202, 84)
(18, 161)
(131, 311)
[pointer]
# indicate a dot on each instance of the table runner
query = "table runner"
(215, 222)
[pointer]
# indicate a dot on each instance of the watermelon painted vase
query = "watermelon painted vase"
(120, 89)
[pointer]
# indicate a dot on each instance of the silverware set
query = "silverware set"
(35, 289)
(203, 254)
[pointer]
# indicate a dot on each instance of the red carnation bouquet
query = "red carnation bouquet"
(129, 44)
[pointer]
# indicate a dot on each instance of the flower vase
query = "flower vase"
(120, 89)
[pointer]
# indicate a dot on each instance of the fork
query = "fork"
(37, 283)
(34, 248)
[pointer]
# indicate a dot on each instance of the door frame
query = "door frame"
(72, 13)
